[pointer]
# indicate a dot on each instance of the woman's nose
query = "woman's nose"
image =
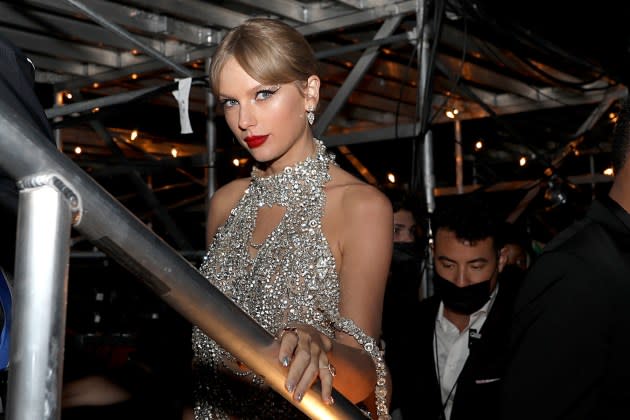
(246, 117)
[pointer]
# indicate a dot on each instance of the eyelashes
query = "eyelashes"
(267, 93)
(260, 95)
(226, 102)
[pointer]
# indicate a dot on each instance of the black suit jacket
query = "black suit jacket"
(571, 334)
(417, 390)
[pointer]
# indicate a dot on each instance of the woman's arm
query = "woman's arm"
(366, 248)
(365, 224)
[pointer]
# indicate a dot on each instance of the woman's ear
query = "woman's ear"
(311, 96)
(503, 258)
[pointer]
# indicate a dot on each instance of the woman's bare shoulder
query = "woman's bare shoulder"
(232, 191)
(355, 195)
(223, 201)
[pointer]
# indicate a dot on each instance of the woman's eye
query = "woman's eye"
(265, 94)
(227, 103)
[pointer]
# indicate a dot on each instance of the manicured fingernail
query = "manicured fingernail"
(290, 387)
(285, 361)
(299, 397)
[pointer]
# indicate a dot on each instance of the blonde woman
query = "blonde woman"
(302, 245)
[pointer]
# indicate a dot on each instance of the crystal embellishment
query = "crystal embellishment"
(292, 278)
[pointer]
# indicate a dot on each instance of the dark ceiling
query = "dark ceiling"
(590, 31)
(531, 79)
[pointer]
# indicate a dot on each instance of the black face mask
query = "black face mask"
(463, 300)
(405, 252)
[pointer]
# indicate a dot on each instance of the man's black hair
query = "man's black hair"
(470, 217)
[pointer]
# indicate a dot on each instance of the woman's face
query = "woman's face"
(404, 226)
(268, 120)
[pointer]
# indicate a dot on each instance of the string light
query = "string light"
(391, 177)
(77, 150)
(522, 161)
(134, 135)
(479, 145)
(96, 85)
(134, 76)
(452, 113)
(174, 152)
(609, 171)
(235, 162)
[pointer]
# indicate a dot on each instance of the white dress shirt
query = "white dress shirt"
(451, 349)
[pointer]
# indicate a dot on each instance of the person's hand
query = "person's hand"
(303, 350)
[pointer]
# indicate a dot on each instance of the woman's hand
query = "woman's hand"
(303, 350)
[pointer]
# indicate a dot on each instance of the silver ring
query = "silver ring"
(331, 369)
(289, 330)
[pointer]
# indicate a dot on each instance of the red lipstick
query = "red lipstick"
(255, 141)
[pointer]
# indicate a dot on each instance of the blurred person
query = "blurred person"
(302, 246)
(517, 251)
(453, 355)
(406, 226)
(516, 255)
(402, 292)
(517, 246)
(569, 343)
(408, 252)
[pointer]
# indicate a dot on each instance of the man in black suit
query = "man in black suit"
(571, 333)
(453, 357)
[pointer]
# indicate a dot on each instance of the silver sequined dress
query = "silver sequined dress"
(291, 278)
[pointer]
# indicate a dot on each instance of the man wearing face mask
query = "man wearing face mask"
(402, 293)
(456, 340)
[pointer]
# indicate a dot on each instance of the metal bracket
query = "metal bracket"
(58, 183)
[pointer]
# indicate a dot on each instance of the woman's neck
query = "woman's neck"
(301, 150)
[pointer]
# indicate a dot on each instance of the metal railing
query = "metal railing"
(55, 194)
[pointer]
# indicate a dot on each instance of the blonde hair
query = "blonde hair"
(269, 51)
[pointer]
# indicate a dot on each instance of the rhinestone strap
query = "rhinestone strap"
(371, 347)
